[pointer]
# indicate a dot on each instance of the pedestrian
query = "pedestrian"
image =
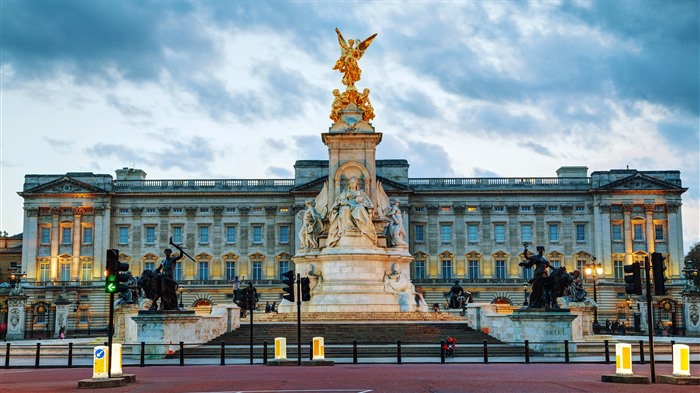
(236, 288)
(267, 307)
(607, 326)
(61, 333)
(273, 307)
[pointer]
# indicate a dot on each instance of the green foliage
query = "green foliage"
(694, 257)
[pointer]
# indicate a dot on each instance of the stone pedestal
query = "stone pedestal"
(16, 316)
(162, 328)
(692, 312)
(62, 310)
(583, 324)
(546, 330)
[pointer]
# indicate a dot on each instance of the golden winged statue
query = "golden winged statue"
(349, 56)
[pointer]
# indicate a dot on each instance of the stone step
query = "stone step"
(451, 316)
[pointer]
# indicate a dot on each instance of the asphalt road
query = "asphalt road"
(434, 378)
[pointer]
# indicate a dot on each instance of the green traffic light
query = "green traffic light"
(111, 284)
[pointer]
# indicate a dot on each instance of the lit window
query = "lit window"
(284, 209)
(617, 270)
(473, 233)
(445, 233)
(526, 232)
(284, 234)
(499, 231)
(472, 208)
(86, 272)
(553, 233)
(420, 233)
(445, 209)
(257, 234)
(44, 272)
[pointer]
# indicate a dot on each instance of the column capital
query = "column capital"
(627, 208)
(605, 208)
(649, 207)
(673, 207)
(31, 211)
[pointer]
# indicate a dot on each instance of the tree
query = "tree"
(693, 261)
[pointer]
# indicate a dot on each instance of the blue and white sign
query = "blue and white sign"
(99, 366)
(99, 353)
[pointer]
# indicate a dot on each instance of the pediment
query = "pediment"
(65, 185)
(640, 181)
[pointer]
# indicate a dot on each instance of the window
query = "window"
(638, 232)
(446, 269)
(44, 272)
(257, 270)
(580, 232)
(45, 235)
(420, 209)
(230, 209)
(420, 233)
(284, 210)
(525, 209)
(123, 235)
(580, 208)
(616, 208)
(445, 233)
(500, 270)
(499, 209)
(527, 273)
(177, 271)
(556, 263)
(445, 209)
(177, 234)
(230, 234)
(204, 234)
(83, 315)
(66, 235)
(86, 271)
(203, 270)
(618, 270)
(553, 233)
(230, 270)
(526, 234)
(553, 208)
(499, 233)
(65, 272)
(284, 234)
(204, 210)
(257, 234)
(473, 269)
(150, 235)
(581, 266)
(151, 210)
(257, 210)
(658, 232)
(284, 268)
(150, 266)
(472, 209)
(420, 269)
(177, 210)
(473, 233)
(123, 211)
(659, 208)
(617, 232)
(87, 235)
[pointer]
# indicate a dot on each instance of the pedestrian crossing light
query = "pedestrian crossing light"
(633, 279)
(659, 267)
(288, 285)
(115, 273)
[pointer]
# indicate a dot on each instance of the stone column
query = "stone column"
(432, 268)
(30, 242)
(245, 243)
(627, 229)
(55, 241)
(649, 213)
(101, 236)
(675, 240)
(77, 240)
(460, 242)
(604, 245)
(191, 243)
(16, 316)
(218, 270)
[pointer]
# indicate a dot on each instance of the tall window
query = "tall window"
(555, 263)
(658, 232)
(638, 232)
(473, 269)
(257, 270)
(87, 235)
(618, 270)
(581, 266)
(284, 268)
(617, 232)
(420, 269)
(123, 235)
(420, 233)
(526, 232)
(65, 272)
(553, 233)
(230, 270)
(204, 234)
(473, 233)
(446, 268)
(499, 233)
(445, 233)
(177, 271)
(284, 234)
(203, 270)
(66, 235)
(150, 235)
(83, 315)
(149, 266)
(45, 235)
(580, 232)
(86, 271)
(44, 272)
(527, 273)
(257, 234)
(177, 234)
(230, 234)
(500, 270)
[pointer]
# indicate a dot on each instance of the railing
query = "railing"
(202, 185)
(582, 183)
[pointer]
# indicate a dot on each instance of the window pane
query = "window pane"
(499, 233)
(177, 272)
(527, 232)
(617, 270)
(86, 272)
(659, 232)
(580, 232)
(150, 235)
(123, 235)
(473, 269)
(44, 272)
(150, 266)
(230, 234)
(257, 270)
(65, 235)
(472, 233)
(553, 233)
(284, 234)
(500, 270)
(204, 234)
(230, 270)
(257, 234)
(87, 235)
(420, 269)
(420, 233)
(65, 272)
(445, 233)
(638, 232)
(283, 268)
(204, 270)
(617, 232)
(45, 235)
(446, 269)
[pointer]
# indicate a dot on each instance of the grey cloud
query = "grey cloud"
(276, 144)
(58, 144)
(426, 159)
(278, 172)
(126, 108)
(481, 172)
(311, 147)
(537, 148)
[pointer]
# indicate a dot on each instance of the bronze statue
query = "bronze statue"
(537, 296)
(161, 285)
(349, 56)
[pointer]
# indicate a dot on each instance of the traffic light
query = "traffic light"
(633, 279)
(289, 286)
(114, 274)
(305, 289)
(659, 267)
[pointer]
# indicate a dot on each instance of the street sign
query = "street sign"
(99, 365)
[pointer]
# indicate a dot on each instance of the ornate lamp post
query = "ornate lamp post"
(16, 281)
(525, 303)
(594, 269)
(180, 290)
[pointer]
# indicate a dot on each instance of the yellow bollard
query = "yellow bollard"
(681, 360)
(99, 365)
(281, 348)
(319, 349)
(116, 360)
(623, 359)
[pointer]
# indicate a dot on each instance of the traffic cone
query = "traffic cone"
(171, 351)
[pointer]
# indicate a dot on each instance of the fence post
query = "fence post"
(70, 354)
(486, 351)
(38, 355)
(398, 352)
(311, 350)
(223, 353)
(566, 351)
(442, 351)
(354, 351)
(143, 354)
(182, 353)
(527, 351)
(265, 352)
(7, 355)
(673, 342)
(641, 352)
(607, 352)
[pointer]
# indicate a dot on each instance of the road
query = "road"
(433, 378)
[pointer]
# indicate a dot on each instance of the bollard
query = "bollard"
(641, 352)
(681, 360)
(566, 351)
(398, 352)
(182, 353)
(281, 348)
(673, 342)
(623, 359)
(99, 362)
(442, 351)
(486, 351)
(142, 362)
(223, 353)
(7, 355)
(115, 364)
(354, 351)
(70, 355)
(265, 352)
(311, 350)
(38, 355)
(319, 349)
(527, 351)
(607, 352)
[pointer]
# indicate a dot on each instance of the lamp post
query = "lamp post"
(594, 269)
(180, 290)
(16, 281)
(525, 303)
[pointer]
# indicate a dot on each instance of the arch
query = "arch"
(202, 302)
(502, 301)
(349, 169)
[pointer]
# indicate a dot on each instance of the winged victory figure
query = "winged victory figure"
(349, 56)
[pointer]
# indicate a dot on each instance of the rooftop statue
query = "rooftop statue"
(349, 56)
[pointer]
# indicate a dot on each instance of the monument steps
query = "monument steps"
(370, 316)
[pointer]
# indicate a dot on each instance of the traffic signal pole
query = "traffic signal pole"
(650, 320)
(251, 294)
(298, 319)
(110, 334)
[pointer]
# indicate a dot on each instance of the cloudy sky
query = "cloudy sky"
(242, 89)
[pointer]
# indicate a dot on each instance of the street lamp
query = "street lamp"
(16, 280)
(525, 292)
(180, 290)
(594, 269)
